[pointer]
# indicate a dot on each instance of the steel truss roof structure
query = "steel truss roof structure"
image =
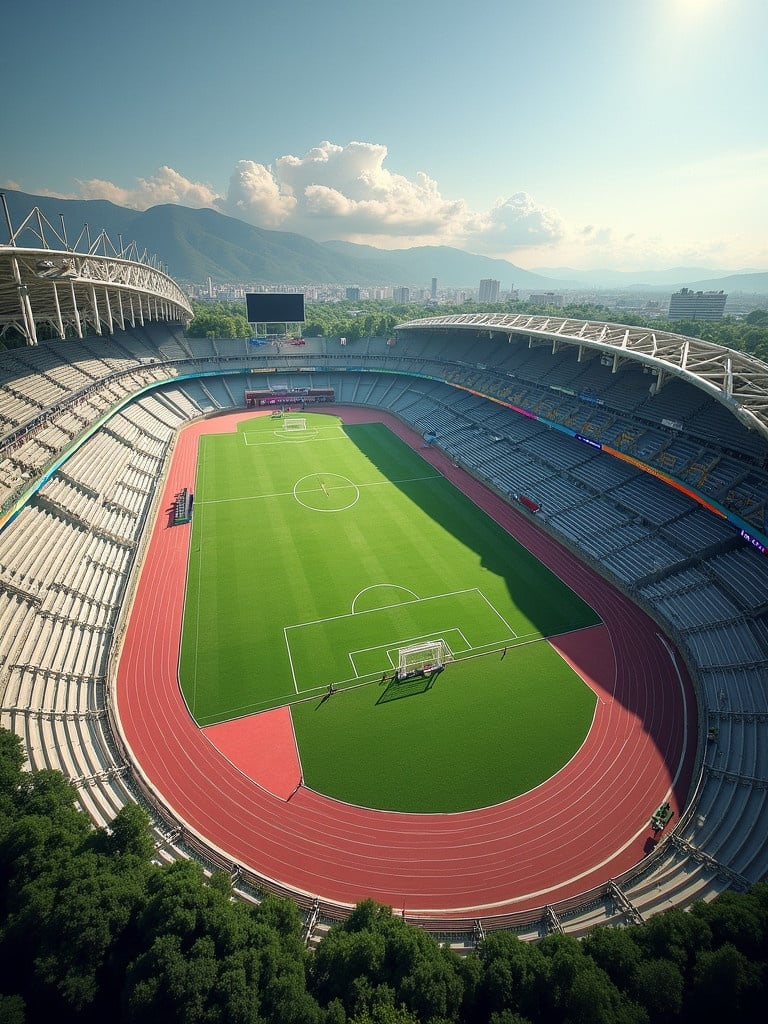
(73, 292)
(737, 380)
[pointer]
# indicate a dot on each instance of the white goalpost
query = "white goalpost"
(292, 423)
(422, 659)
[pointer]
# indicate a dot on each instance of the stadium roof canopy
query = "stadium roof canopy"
(92, 287)
(737, 380)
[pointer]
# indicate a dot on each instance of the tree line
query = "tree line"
(93, 929)
(377, 318)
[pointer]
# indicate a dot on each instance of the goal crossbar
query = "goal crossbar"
(294, 423)
(430, 655)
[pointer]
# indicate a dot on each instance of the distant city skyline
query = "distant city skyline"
(626, 136)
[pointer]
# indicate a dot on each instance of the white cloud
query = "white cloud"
(16, 186)
(165, 186)
(602, 247)
(340, 192)
(255, 196)
(519, 222)
(347, 192)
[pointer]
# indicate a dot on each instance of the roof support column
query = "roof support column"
(75, 310)
(120, 313)
(95, 309)
(29, 320)
(25, 306)
(59, 318)
(110, 321)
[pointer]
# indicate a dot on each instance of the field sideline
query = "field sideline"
(314, 557)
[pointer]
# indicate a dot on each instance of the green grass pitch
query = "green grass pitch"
(314, 557)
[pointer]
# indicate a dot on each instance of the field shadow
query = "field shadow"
(417, 684)
(551, 607)
(540, 595)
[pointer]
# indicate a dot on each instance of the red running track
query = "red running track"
(585, 825)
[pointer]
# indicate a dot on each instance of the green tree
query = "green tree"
(219, 320)
(616, 951)
(385, 1013)
(658, 985)
(675, 936)
(341, 959)
(580, 991)
(735, 918)
(208, 958)
(12, 779)
(129, 834)
(726, 984)
(12, 1010)
(515, 975)
(508, 1017)
(77, 916)
(433, 988)
(375, 956)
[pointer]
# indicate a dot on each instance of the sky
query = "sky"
(621, 134)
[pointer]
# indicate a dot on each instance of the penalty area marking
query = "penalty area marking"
(296, 436)
(427, 620)
(414, 600)
(412, 595)
(265, 438)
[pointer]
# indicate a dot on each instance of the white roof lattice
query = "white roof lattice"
(737, 380)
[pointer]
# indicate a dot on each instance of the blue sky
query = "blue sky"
(629, 134)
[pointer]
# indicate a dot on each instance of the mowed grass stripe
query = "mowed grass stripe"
(486, 731)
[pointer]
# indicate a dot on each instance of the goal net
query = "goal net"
(422, 658)
(294, 423)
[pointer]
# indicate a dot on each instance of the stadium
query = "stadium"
(631, 466)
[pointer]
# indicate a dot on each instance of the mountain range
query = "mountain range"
(195, 244)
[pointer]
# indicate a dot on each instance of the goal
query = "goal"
(422, 658)
(294, 423)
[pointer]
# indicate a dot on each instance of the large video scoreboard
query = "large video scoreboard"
(274, 307)
(288, 396)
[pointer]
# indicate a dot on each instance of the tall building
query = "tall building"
(546, 298)
(401, 294)
(489, 290)
(689, 305)
(433, 292)
(352, 294)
